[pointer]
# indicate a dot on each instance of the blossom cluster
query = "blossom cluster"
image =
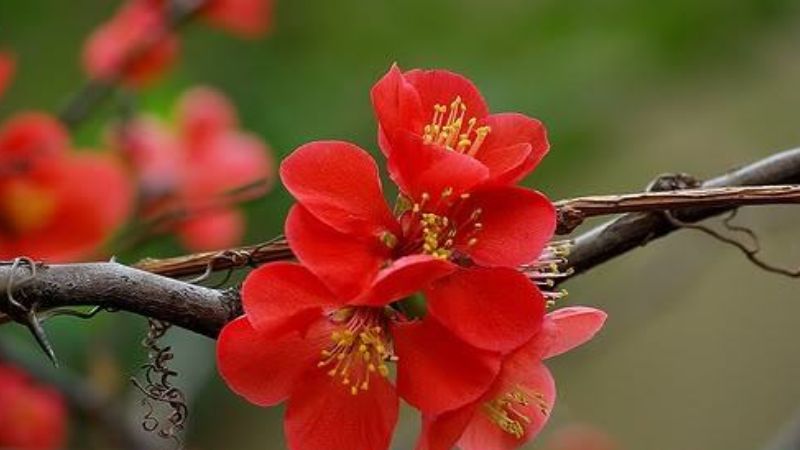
(139, 42)
(61, 203)
(48, 208)
(428, 292)
(198, 171)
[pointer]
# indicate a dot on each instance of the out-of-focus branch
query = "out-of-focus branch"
(95, 91)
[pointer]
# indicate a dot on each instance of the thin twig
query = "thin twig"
(95, 91)
(751, 253)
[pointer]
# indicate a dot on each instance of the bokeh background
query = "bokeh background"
(702, 349)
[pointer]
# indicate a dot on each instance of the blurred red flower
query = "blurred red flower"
(136, 44)
(246, 18)
(517, 405)
(344, 232)
(32, 417)
(328, 356)
(55, 205)
(7, 65)
(447, 111)
(198, 173)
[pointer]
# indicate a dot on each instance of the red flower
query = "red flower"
(519, 402)
(328, 357)
(50, 204)
(31, 417)
(246, 18)
(198, 171)
(344, 232)
(446, 110)
(6, 70)
(135, 44)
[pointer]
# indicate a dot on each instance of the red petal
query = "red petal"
(156, 155)
(442, 87)
(347, 264)
(109, 49)
(282, 296)
(397, 106)
(443, 431)
(204, 112)
(228, 166)
(404, 277)
(514, 147)
(495, 309)
(32, 137)
(571, 327)
(437, 372)
(212, 230)
(7, 66)
(323, 414)
(34, 417)
(246, 18)
(516, 225)
(338, 183)
(264, 370)
(418, 168)
(524, 375)
(83, 216)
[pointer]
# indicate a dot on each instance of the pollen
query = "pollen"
(359, 348)
(450, 128)
(432, 231)
(506, 412)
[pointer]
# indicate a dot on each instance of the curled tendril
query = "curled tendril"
(157, 388)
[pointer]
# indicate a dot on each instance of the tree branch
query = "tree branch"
(633, 230)
(145, 289)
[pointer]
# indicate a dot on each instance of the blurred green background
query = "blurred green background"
(701, 349)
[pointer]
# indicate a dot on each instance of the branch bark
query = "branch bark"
(633, 230)
(146, 288)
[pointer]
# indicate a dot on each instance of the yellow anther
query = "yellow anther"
(383, 370)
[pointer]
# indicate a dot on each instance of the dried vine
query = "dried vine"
(158, 389)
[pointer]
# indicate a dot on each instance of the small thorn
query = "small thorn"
(35, 327)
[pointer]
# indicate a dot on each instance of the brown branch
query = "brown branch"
(571, 213)
(146, 290)
(574, 211)
(633, 230)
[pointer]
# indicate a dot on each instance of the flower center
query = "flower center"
(429, 227)
(360, 347)
(448, 128)
(504, 410)
(25, 207)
